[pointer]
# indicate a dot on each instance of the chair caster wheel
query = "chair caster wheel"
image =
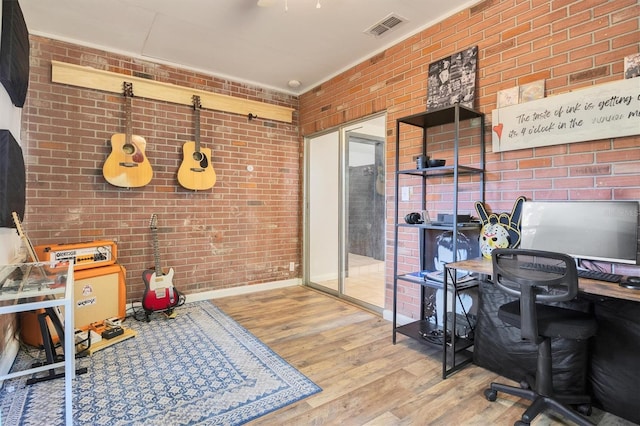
(521, 423)
(490, 394)
(584, 409)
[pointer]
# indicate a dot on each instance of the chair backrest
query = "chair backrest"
(534, 276)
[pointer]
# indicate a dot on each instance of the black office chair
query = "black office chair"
(518, 272)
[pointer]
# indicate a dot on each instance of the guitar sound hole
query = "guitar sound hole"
(198, 156)
(128, 148)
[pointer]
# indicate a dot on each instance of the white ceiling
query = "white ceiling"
(237, 39)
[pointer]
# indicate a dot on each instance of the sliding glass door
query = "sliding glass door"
(322, 240)
(345, 212)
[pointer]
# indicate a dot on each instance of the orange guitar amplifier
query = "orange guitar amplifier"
(30, 328)
(99, 294)
(90, 254)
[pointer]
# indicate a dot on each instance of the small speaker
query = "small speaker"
(12, 180)
(448, 218)
(14, 52)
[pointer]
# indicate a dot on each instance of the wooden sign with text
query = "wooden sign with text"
(608, 110)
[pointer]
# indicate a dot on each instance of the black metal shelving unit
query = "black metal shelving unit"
(456, 350)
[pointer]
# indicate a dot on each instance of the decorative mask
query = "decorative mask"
(493, 235)
(499, 230)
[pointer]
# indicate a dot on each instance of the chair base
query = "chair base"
(541, 403)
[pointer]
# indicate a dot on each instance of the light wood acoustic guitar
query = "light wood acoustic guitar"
(159, 294)
(127, 165)
(196, 171)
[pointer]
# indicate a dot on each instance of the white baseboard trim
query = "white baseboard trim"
(235, 291)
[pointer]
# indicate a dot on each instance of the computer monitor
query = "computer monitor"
(595, 230)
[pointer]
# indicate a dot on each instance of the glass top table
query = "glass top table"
(32, 286)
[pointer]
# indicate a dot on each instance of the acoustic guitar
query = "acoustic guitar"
(127, 165)
(196, 171)
(159, 293)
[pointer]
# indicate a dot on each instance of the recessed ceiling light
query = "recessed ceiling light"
(294, 84)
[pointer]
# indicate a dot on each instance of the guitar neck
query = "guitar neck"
(156, 252)
(128, 128)
(25, 239)
(197, 136)
(196, 115)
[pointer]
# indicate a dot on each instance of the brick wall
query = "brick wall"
(570, 44)
(243, 231)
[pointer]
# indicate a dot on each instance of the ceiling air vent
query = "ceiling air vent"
(385, 25)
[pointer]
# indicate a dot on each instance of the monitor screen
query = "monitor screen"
(594, 230)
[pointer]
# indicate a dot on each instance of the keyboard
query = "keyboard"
(599, 275)
(582, 273)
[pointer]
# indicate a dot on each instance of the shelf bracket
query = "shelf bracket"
(108, 81)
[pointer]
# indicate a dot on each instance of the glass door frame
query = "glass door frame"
(342, 200)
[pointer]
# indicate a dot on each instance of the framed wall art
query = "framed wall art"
(452, 80)
(508, 97)
(532, 91)
(604, 111)
(632, 66)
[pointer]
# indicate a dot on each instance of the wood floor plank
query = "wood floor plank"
(365, 378)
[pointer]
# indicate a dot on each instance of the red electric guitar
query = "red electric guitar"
(159, 293)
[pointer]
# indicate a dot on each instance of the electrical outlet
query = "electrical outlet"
(292, 266)
(407, 193)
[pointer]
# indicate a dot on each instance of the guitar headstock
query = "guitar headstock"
(153, 222)
(195, 99)
(16, 221)
(127, 89)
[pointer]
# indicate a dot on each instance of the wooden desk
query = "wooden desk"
(483, 265)
(612, 354)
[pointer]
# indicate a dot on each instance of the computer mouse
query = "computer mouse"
(631, 282)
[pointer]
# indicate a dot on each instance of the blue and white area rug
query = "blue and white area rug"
(200, 368)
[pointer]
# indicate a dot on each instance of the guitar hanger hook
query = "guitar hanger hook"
(251, 116)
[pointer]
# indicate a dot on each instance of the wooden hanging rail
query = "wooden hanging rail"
(91, 78)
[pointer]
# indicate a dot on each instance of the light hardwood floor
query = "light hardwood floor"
(365, 379)
(365, 280)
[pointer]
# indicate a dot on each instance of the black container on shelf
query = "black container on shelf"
(422, 161)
